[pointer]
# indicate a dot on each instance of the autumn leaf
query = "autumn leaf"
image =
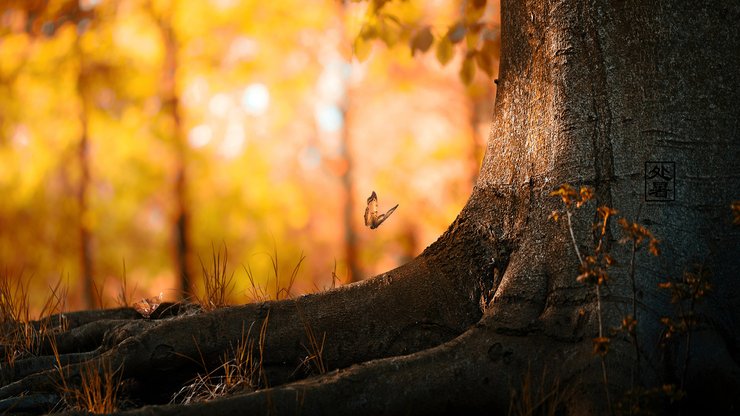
(467, 70)
(490, 44)
(601, 346)
(566, 192)
(484, 63)
(361, 48)
(422, 41)
(444, 51)
(456, 33)
(555, 215)
(629, 323)
(474, 10)
(390, 29)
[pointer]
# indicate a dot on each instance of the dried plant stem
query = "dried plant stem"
(598, 310)
(633, 331)
(603, 357)
(573, 237)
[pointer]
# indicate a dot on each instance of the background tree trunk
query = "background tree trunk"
(588, 92)
(89, 292)
(184, 269)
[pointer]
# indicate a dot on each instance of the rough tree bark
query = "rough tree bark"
(588, 92)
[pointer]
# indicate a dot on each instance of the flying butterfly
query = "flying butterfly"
(372, 219)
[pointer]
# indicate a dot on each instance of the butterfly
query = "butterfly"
(146, 307)
(372, 219)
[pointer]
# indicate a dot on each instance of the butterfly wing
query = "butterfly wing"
(385, 216)
(144, 308)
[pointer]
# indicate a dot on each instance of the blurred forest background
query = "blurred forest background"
(138, 137)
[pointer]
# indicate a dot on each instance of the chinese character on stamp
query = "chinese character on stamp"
(660, 181)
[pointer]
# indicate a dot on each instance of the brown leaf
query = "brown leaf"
(601, 346)
(735, 207)
(484, 63)
(555, 215)
(467, 70)
(422, 41)
(456, 33)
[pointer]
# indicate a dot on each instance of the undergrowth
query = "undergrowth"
(686, 292)
(22, 337)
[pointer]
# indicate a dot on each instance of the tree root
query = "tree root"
(417, 306)
(471, 374)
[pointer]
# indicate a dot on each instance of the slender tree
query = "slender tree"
(83, 186)
(172, 106)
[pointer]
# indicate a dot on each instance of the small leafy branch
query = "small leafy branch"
(636, 235)
(593, 267)
(480, 36)
(686, 293)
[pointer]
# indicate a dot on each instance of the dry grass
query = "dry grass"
(124, 297)
(217, 283)
(240, 370)
(314, 361)
(21, 336)
(99, 387)
(98, 392)
(258, 293)
(538, 398)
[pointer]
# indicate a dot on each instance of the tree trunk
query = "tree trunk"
(181, 231)
(348, 182)
(89, 292)
(491, 316)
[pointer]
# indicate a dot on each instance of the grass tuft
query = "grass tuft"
(217, 283)
(538, 398)
(241, 370)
